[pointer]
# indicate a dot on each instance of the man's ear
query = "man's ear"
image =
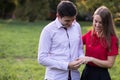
(57, 14)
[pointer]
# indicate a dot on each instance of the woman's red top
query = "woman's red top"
(96, 47)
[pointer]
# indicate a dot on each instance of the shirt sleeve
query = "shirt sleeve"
(81, 50)
(114, 46)
(43, 52)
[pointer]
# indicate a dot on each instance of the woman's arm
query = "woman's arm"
(101, 63)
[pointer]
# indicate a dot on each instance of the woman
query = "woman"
(101, 46)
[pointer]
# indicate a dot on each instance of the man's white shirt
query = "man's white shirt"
(56, 49)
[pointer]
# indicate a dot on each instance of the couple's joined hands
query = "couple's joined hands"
(74, 65)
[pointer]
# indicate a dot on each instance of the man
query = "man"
(61, 45)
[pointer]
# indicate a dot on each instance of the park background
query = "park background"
(21, 22)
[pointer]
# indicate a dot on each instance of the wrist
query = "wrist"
(91, 59)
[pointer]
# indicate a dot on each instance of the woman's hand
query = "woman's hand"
(86, 59)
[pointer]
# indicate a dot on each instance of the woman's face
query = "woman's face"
(97, 24)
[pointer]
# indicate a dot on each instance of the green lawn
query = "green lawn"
(18, 50)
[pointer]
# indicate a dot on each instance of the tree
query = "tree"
(32, 10)
(89, 6)
(7, 8)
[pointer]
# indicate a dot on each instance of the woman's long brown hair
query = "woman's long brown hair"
(108, 24)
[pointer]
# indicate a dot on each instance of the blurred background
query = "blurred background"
(32, 10)
(21, 23)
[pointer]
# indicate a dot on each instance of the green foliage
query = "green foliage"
(89, 6)
(117, 19)
(7, 8)
(33, 10)
(18, 50)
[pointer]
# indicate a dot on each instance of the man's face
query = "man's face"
(66, 20)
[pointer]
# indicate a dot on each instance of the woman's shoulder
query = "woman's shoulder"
(88, 33)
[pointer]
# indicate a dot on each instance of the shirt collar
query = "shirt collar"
(59, 25)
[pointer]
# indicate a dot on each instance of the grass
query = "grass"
(18, 50)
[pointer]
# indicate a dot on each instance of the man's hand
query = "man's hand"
(74, 65)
